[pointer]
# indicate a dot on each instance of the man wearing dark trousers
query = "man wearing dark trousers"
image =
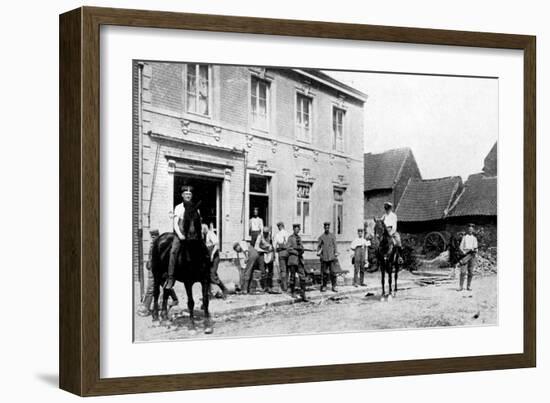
(468, 246)
(296, 262)
(328, 252)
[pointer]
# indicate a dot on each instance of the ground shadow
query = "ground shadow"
(49, 379)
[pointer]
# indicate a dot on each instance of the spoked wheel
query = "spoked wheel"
(434, 243)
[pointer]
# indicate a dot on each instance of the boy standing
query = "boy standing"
(468, 246)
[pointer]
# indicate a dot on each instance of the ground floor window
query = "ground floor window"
(303, 207)
(338, 212)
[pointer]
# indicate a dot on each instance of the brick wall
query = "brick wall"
(170, 132)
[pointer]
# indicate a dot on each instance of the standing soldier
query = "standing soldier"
(256, 224)
(296, 261)
(327, 251)
(281, 247)
(468, 246)
(359, 246)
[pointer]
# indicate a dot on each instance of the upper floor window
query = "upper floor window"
(259, 102)
(338, 212)
(303, 117)
(303, 207)
(338, 128)
(198, 89)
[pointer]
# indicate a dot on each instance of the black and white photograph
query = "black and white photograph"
(274, 200)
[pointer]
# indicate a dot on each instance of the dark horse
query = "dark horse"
(192, 266)
(387, 256)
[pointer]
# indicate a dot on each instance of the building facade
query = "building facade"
(288, 141)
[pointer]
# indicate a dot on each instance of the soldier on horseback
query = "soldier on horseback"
(187, 226)
(390, 221)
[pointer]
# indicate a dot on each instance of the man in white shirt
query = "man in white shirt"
(212, 244)
(187, 226)
(256, 225)
(280, 242)
(390, 220)
(468, 246)
(359, 247)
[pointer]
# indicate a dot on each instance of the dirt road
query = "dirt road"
(432, 305)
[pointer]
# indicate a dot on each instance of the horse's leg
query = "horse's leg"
(205, 304)
(164, 310)
(396, 275)
(390, 279)
(156, 294)
(190, 304)
(383, 276)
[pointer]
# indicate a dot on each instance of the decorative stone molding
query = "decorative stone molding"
(171, 166)
(217, 132)
(227, 175)
(274, 145)
(296, 151)
(341, 102)
(331, 158)
(185, 126)
(341, 178)
(261, 166)
(249, 139)
(315, 156)
(306, 174)
(348, 163)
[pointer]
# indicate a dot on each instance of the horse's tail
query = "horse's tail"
(156, 263)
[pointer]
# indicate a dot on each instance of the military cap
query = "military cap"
(187, 188)
(296, 225)
(326, 223)
(388, 204)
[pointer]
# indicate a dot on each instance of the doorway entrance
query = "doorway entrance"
(258, 194)
(207, 194)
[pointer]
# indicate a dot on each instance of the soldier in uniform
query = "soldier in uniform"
(187, 226)
(328, 252)
(251, 259)
(296, 261)
(264, 246)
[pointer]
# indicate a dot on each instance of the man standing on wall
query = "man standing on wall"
(256, 224)
(328, 252)
(187, 226)
(468, 246)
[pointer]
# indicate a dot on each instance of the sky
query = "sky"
(450, 123)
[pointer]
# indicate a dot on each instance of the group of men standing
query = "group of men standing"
(280, 257)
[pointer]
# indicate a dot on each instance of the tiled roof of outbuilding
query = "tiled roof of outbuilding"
(426, 200)
(382, 170)
(479, 197)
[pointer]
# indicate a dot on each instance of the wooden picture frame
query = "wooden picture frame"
(79, 279)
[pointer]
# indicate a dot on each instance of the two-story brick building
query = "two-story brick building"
(288, 141)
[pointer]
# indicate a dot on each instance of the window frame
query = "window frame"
(186, 89)
(335, 204)
(305, 230)
(298, 128)
(336, 145)
(268, 102)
